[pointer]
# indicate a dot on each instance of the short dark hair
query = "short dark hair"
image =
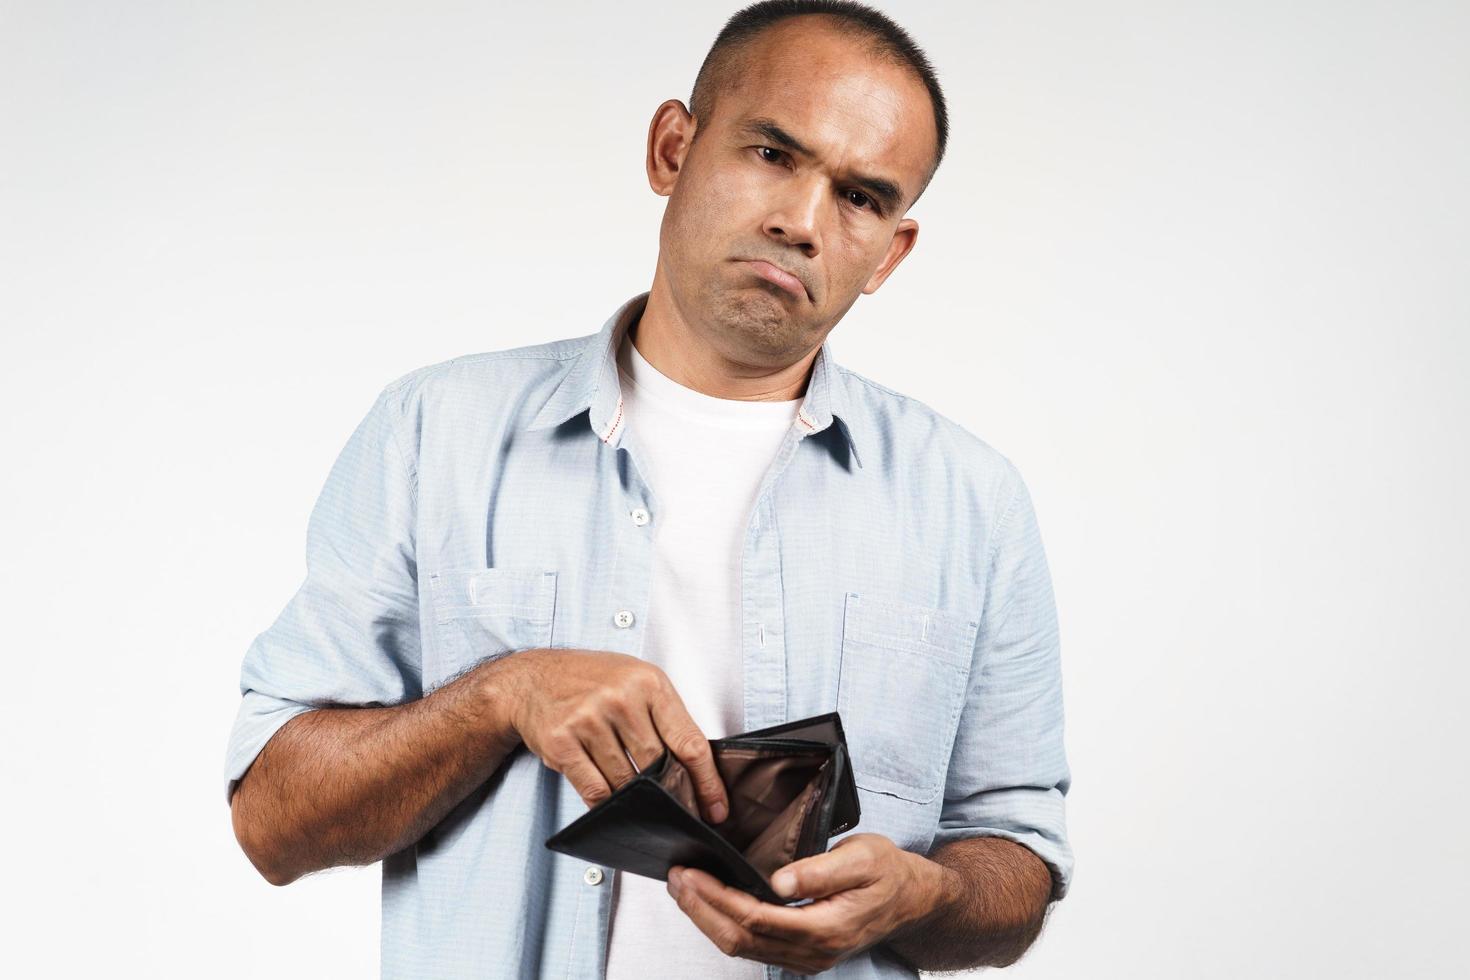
(884, 37)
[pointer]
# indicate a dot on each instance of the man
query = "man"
(531, 570)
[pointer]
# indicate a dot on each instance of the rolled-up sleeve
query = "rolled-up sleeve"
(1008, 774)
(350, 634)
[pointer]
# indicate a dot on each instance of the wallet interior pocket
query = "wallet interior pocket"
(773, 797)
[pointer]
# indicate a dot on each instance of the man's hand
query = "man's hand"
(584, 712)
(865, 888)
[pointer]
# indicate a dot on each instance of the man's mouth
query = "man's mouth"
(779, 276)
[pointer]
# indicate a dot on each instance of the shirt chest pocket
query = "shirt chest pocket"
(482, 613)
(901, 686)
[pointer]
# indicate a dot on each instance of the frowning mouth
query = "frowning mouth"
(777, 275)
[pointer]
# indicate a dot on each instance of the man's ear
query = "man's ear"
(670, 135)
(905, 236)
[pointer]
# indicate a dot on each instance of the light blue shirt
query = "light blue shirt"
(892, 570)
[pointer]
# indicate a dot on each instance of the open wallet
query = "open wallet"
(790, 788)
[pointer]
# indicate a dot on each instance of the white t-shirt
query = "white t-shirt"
(704, 458)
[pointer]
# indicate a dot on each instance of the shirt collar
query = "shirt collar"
(592, 384)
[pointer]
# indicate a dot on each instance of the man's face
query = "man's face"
(742, 194)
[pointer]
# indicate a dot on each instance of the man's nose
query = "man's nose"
(797, 217)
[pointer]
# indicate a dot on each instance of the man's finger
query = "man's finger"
(734, 938)
(607, 752)
(641, 738)
(765, 918)
(850, 864)
(586, 778)
(683, 737)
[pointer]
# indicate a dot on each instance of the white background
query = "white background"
(1199, 269)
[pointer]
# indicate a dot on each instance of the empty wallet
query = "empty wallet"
(790, 788)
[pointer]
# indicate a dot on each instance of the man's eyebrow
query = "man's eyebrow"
(886, 191)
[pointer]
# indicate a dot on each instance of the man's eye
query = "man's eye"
(862, 200)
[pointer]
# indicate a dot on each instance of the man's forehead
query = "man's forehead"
(840, 101)
(882, 146)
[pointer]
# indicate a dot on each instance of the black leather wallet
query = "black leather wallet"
(790, 788)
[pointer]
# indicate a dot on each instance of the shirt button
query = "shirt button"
(623, 619)
(593, 876)
(640, 516)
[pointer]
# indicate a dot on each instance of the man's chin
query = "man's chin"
(764, 325)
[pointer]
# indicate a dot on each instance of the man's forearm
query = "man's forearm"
(990, 896)
(340, 786)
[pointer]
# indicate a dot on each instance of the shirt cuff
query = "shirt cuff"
(259, 717)
(1031, 817)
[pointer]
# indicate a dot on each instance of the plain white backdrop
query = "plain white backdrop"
(1199, 269)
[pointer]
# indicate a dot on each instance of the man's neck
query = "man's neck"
(665, 340)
